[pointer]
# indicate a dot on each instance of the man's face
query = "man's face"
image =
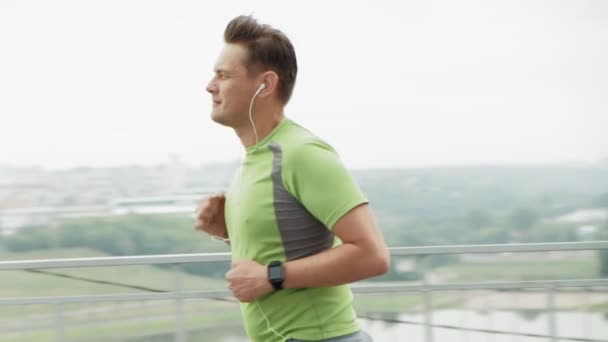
(231, 88)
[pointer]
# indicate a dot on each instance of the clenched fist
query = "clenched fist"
(248, 280)
(210, 216)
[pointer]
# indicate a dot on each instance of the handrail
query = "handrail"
(207, 257)
(500, 248)
(424, 287)
(361, 288)
(114, 261)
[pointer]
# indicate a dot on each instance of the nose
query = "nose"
(211, 87)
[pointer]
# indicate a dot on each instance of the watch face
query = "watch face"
(275, 272)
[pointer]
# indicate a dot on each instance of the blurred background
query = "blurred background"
(465, 123)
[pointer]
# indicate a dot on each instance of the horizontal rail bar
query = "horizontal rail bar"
(500, 248)
(127, 297)
(388, 288)
(209, 257)
(221, 294)
(114, 261)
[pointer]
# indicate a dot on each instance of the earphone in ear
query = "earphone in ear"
(262, 86)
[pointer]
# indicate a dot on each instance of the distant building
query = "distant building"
(586, 232)
(584, 216)
(11, 220)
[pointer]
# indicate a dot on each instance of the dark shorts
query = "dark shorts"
(359, 336)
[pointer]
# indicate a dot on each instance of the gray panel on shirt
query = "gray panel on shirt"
(302, 234)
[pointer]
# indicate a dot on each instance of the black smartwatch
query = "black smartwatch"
(276, 275)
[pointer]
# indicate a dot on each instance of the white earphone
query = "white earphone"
(255, 132)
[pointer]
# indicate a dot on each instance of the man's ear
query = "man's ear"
(271, 83)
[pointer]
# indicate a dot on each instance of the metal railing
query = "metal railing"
(425, 286)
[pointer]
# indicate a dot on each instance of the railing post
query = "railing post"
(514, 326)
(488, 308)
(428, 303)
(59, 328)
(180, 336)
(463, 318)
(586, 322)
(551, 312)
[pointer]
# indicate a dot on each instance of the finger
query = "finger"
(203, 211)
(206, 215)
(211, 210)
(205, 221)
(200, 227)
(238, 295)
(201, 223)
(216, 204)
(202, 202)
(217, 199)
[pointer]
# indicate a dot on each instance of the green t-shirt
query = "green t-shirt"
(282, 205)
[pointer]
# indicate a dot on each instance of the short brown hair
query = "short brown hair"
(268, 48)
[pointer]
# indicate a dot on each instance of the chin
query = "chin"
(217, 118)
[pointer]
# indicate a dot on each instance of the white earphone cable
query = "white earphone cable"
(255, 132)
(268, 322)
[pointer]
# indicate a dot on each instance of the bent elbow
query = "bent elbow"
(385, 263)
(382, 263)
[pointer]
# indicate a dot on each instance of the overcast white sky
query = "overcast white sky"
(387, 83)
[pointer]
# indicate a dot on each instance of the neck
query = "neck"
(265, 121)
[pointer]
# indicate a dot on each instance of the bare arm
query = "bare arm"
(363, 254)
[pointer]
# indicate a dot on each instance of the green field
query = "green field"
(110, 320)
(119, 330)
(23, 283)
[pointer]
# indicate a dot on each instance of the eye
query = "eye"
(220, 75)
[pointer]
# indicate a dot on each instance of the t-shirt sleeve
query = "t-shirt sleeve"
(315, 176)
